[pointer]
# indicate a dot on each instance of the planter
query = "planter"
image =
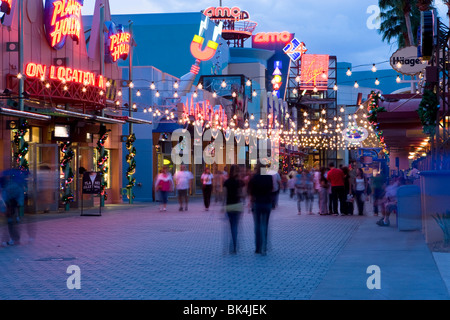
(435, 193)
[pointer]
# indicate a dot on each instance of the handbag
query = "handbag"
(349, 198)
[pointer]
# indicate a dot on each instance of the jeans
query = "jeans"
(234, 218)
(207, 190)
(338, 194)
(261, 215)
(359, 201)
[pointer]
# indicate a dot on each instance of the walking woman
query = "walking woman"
(360, 190)
(233, 203)
(164, 184)
(207, 180)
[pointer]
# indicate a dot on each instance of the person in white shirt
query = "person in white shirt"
(207, 184)
(183, 182)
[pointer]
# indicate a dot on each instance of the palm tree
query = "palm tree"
(399, 19)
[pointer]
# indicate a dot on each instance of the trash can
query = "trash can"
(409, 209)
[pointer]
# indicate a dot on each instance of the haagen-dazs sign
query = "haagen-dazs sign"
(62, 19)
(406, 61)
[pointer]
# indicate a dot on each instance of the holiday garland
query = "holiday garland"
(428, 111)
(102, 160)
(374, 108)
(21, 146)
(68, 155)
(131, 164)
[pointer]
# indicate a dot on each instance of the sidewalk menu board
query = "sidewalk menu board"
(92, 182)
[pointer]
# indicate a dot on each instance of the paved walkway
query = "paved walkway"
(139, 252)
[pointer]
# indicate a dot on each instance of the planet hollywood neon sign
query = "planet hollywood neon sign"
(62, 19)
(117, 43)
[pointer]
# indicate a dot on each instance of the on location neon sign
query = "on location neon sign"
(295, 49)
(64, 74)
(6, 6)
(205, 111)
(62, 19)
(270, 37)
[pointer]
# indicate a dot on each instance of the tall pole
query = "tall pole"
(102, 44)
(130, 96)
(21, 79)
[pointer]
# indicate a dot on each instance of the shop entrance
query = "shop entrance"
(43, 180)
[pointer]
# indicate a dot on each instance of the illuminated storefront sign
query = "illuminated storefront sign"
(295, 49)
(64, 74)
(6, 6)
(62, 18)
(234, 13)
(355, 135)
(270, 37)
(117, 43)
(314, 72)
(205, 111)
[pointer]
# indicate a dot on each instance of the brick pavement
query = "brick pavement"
(139, 252)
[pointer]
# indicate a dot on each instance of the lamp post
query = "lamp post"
(130, 98)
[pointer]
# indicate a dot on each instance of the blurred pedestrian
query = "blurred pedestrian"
(183, 181)
(13, 185)
(233, 203)
(316, 177)
(218, 185)
(360, 190)
(348, 192)
(378, 189)
(323, 193)
(163, 185)
(260, 189)
(389, 202)
(207, 185)
(336, 178)
(291, 187)
(284, 180)
(276, 188)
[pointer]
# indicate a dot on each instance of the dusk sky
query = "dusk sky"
(326, 26)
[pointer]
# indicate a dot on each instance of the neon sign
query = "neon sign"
(270, 37)
(117, 43)
(205, 111)
(234, 13)
(211, 47)
(295, 49)
(355, 134)
(64, 74)
(6, 6)
(62, 19)
(314, 71)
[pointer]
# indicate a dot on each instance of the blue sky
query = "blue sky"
(326, 26)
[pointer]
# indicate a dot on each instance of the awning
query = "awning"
(24, 114)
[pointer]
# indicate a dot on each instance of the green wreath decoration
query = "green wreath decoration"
(428, 111)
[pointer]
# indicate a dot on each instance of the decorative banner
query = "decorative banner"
(355, 135)
(314, 72)
(62, 18)
(295, 49)
(406, 61)
(117, 43)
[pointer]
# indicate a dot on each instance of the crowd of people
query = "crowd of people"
(338, 191)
